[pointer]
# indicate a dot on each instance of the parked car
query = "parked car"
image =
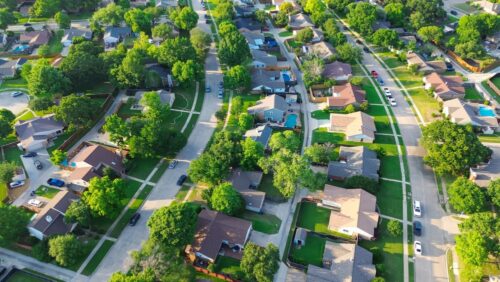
(38, 164)
(417, 209)
(208, 89)
(449, 67)
(208, 21)
(417, 228)
(453, 12)
(366, 49)
(15, 184)
(206, 17)
(387, 92)
(381, 82)
(220, 95)
(173, 164)
(181, 179)
(221, 83)
(27, 24)
(30, 155)
(417, 247)
(16, 94)
(55, 182)
(135, 217)
(392, 101)
(374, 74)
(35, 203)
(358, 41)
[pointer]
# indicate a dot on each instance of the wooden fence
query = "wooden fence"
(492, 85)
(212, 274)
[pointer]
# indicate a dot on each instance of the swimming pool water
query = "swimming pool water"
(20, 48)
(486, 112)
(291, 121)
(286, 77)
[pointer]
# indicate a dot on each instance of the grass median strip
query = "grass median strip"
(136, 204)
(97, 258)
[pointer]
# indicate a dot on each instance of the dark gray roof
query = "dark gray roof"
(74, 32)
(261, 56)
(117, 32)
(247, 23)
(355, 161)
(260, 134)
(271, 79)
(34, 126)
(246, 183)
(8, 68)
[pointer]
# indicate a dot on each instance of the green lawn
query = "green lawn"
(311, 252)
(392, 248)
(88, 246)
(465, 7)
(320, 114)
(184, 97)
(191, 125)
(472, 94)
(136, 204)
(426, 104)
(142, 167)
(178, 119)
(496, 81)
(391, 60)
(314, 218)
(13, 154)
(14, 83)
(357, 70)
(26, 116)
(451, 19)
(321, 135)
(493, 138)
(265, 223)
(21, 276)
(125, 110)
(371, 92)
(381, 119)
(4, 191)
(47, 192)
(407, 78)
(272, 193)
(490, 91)
(294, 44)
(390, 199)
(182, 193)
(159, 172)
(97, 258)
(285, 33)
(228, 265)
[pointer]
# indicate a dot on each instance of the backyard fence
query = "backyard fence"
(492, 85)
(216, 275)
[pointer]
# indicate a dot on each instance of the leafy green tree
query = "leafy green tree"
(305, 35)
(77, 111)
(45, 79)
(245, 121)
(174, 225)
(13, 221)
(184, 18)
(332, 33)
(200, 41)
(286, 7)
(485, 223)
(260, 264)
(252, 152)
(175, 49)
(395, 228)
(185, 72)
(138, 20)
(63, 20)
(319, 18)
(261, 16)
(103, 196)
(44, 50)
(385, 37)
(118, 130)
(395, 14)
(494, 192)
(7, 171)
(65, 249)
(162, 31)
(319, 153)
(431, 33)
(7, 115)
(5, 128)
(226, 199)
(340, 6)
(233, 49)
(427, 11)
(285, 140)
(83, 68)
(8, 4)
(130, 73)
(144, 276)
(45, 8)
(224, 11)
(112, 14)
(361, 17)
(57, 157)
(78, 212)
(314, 6)
(123, 3)
(471, 247)
(313, 181)
(312, 71)
(348, 53)
(469, 50)
(465, 196)
(237, 78)
(40, 251)
(281, 19)
(452, 148)
(6, 18)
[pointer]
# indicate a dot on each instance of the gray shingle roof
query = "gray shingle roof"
(355, 161)
(271, 79)
(261, 134)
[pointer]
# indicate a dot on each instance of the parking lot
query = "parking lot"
(14, 104)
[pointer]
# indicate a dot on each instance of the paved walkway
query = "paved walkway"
(191, 112)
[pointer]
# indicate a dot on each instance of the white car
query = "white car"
(417, 208)
(417, 248)
(387, 92)
(35, 203)
(16, 184)
(392, 101)
(16, 94)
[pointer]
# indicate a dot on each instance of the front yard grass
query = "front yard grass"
(27, 115)
(390, 198)
(426, 104)
(97, 258)
(178, 119)
(19, 83)
(320, 114)
(311, 252)
(407, 78)
(493, 138)
(272, 193)
(371, 92)
(392, 252)
(472, 94)
(142, 167)
(46, 192)
(285, 33)
(159, 172)
(181, 194)
(381, 119)
(184, 96)
(490, 91)
(13, 154)
(265, 223)
(4, 191)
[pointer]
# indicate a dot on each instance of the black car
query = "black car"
(27, 24)
(181, 179)
(366, 49)
(135, 217)
(358, 41)
(30, 155)
(38, 164)
(417, 228)
(207, 17)
(453, 12)
(449, 67)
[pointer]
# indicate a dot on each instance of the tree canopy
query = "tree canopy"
(237, 78)
(260, 264)
(385, 37)
(233, 49)
(252, 152)
(361, 17)
(111, 14)
(471, 247)
(226, 199)
(395, 14)
(287, 139)
(465, 196)
(44, 79)
(184, 18)
(83, 68)
(6, 18)
(175, 49)
(45, 8)
(65, 249)
(138, 20)
(103, 196)
(77, 111)
(13, 221)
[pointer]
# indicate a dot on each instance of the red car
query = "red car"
(374, 74)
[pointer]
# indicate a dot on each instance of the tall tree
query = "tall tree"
(111, 14)
(395, 14)
(78, 212)
(237, 78)
(62, 19)
(361, 17)
(13, 221)
(224, 11)
(118, 130)
(252, 152)
(226, 199)
(233, 49)
(103, 196)
(7, 171)
(45, 8)
(65, 249)
(431, 33)
(385, 37)
(175, 49)
(138, 20)
(200, 41)
(83, 68)
(6, 18)
(260, 264)
(494, 192)
(284, 140)
(465, 196)
(471, 247)
(162, 31)
(130, 73)
(184, 18)
(46, 80)
(186, 72)
(348, 53)
(77, 111)
(57, 157)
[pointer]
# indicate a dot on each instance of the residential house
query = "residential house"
(114, 35)
(353, 211)
(166, 98)
(70, 33)
(246, 183)
(255, 40)
(437, 65)
(318, 36)
(337, 71)
(267, 81)
(423, 66)
(261, 59)
(272, 109)
(219, 234)
(244, 10)
(343, 262)
(8, 68)
(261, 134)
(50, 220)
(165, 4)
(357, 126)
(483, 174)
(478, 115)
(345, 95)
(353, 161)
(299, 21)
(35, 38)
(322, 50)
(90, 162)
(38, 132)
(444, 87)
(489, 6)
(247, 24)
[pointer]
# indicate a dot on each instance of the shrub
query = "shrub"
(40, 104)
(395, 228)
(40, 251)
(359, 181)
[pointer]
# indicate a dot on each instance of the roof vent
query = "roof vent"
(48, 218)
(113, 163)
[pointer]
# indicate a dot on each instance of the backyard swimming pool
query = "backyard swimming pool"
(20, 48)
(291, 121)
(486, 112)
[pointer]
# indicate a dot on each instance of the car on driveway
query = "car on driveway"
(358, 41)
(27, 24)
(449, 67)
(417, 209)
(55, 182)
(417, 228)
(133, 220)
(417, 247)
(38, 164)
(15, 184)
(30, 155)
(35, 203)
(16, 94)
(173, 164)
(181, 179)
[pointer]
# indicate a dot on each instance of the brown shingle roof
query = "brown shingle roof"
(38, 37)
(444, 84)
(97, 155)
(344, 95)
(354, 123)
(337, 69)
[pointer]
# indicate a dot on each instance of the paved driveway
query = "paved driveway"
(13, 104)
